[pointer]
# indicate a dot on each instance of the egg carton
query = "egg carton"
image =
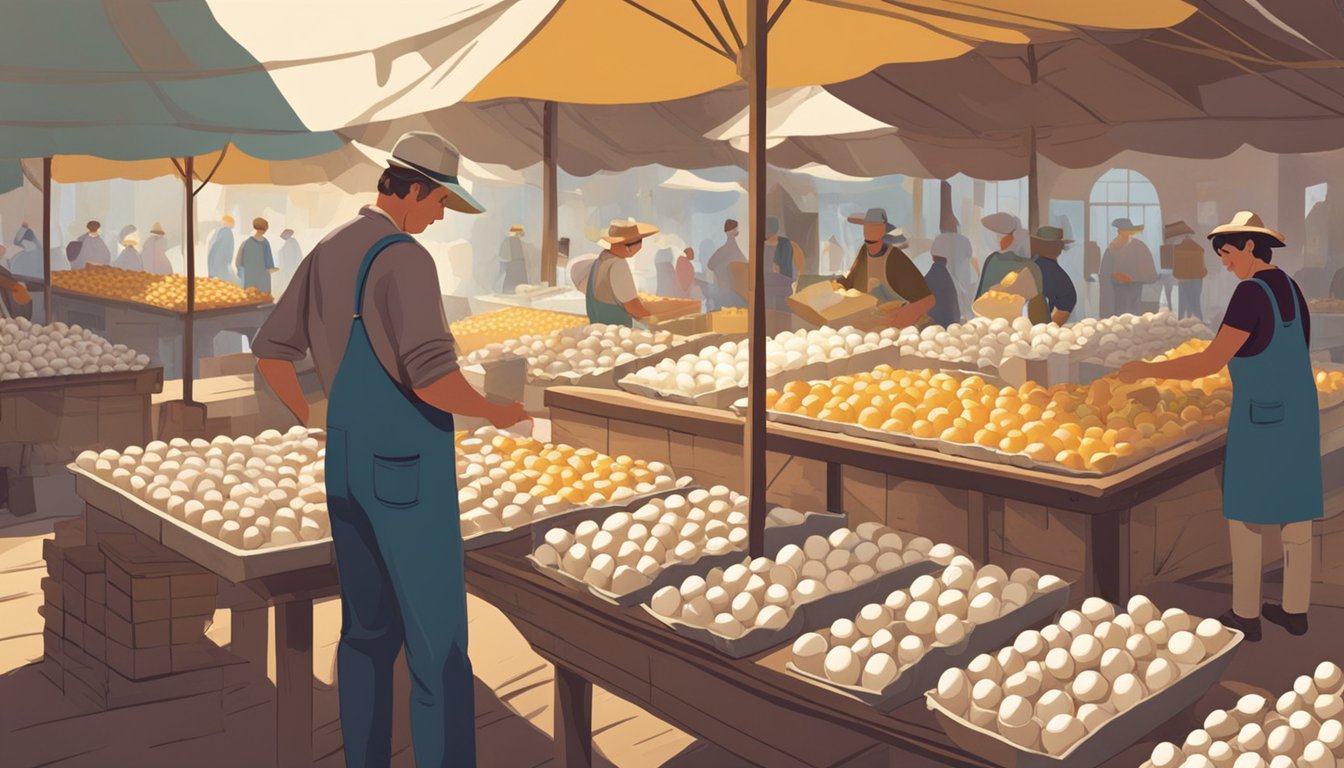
(1043, 608)
(231, 562)
(819, 612)
(606, 378)
(491, 538)
(1113, 737)
(776, 538)
(721, 398)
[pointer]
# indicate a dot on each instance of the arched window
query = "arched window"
(1122, 193)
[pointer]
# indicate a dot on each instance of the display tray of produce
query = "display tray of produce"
(758, 604)
(478, 332)
(265, 514)
(508, 483)
(1302, 728)
(161, 293)
(59, 353)
(1080, 691)
(668, 307)
(1325, 306)
(649, 546)
(716, 375)
(891, 652)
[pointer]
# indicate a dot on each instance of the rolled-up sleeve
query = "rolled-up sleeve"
(410, 307)
(284, 335)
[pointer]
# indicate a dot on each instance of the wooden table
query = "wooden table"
(152, 330)
(1102, 502)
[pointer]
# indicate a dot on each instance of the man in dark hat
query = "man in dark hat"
(884, 270)
(1061, 297)
(1186, 258)
(1126, 266)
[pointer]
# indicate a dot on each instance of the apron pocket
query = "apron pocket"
(1266, 413)
(396, 480)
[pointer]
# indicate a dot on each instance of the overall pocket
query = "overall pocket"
(396, 480)
(1266, 413)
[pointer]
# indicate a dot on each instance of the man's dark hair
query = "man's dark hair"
(93, 226)
(1264, 244)
(397, 182)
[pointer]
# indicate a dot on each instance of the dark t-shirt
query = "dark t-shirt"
(1250, 310)
(1058, 287)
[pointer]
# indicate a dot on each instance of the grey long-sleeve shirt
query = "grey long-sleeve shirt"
(403, 310)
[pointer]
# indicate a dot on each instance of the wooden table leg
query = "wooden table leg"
(1108, 556)
(573, 720)
(294, 683)
(248, 629)
(835, 488)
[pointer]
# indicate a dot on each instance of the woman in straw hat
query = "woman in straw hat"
(606, 280)
(129, 258)
(1272, 475)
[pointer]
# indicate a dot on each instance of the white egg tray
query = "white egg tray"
(605, 378)
(490, 538)
(1044, 608)
(727, 398)
(1116, 735)
(819, 612)
(236, 565)
(776, 537)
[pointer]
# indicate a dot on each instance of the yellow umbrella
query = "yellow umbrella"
(638, 51)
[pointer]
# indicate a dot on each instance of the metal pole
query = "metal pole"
(189, 324)
(1033, 176)
(47, 315)
(753, 59)
(550, 195)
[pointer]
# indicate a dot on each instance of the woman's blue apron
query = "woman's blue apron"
(600, 311)
(392, 495)
(1272, 474)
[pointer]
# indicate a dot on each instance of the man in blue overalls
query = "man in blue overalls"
(366, 304)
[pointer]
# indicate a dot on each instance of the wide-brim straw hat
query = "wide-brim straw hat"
(872, 216)
(157, 229)
(1176, 229)
(1248, 223)
(1045, 235)
(130, 240)
(433, 157)
(1125, 225)
(624, 231)
(1001, 223)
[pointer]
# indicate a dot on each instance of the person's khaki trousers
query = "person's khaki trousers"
(1247, 573)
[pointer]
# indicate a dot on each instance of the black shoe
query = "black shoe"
(1249, 627)
(1295, 623)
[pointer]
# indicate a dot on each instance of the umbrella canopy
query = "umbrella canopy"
(622, 51)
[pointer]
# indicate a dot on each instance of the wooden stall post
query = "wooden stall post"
(573, 719)
(550, 193)
(1033, 173)
(752, 63)
(48, 316)
(294, 683)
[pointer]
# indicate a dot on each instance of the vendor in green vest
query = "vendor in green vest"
(607, 281)
(883, 270)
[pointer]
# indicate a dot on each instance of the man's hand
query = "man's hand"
(20, 293)
(1122, 278)
(1133, 371)
(507, 415)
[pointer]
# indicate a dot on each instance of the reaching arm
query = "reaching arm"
(636, 308)
(910, 314)
(453, 394)
(1212, 360)
(283, 379)
(1060, 316)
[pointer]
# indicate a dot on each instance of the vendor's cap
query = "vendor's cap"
(730, 225)
(1049, 235)
(1125, 225)
(1247, 223)
(1176, 229)
(624, 231)
(433, 157)
(1001, 223)
(227, 219)
(157, 229)
(516, 228)
(873, 216)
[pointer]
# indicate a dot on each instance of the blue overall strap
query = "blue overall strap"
(1274, 304)
(374, 250)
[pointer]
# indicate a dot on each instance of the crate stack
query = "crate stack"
(125, 624)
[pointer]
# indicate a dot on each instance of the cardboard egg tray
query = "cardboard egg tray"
(776, 537)
(1116, 735)
(490, 538)
(1042, 609)
(819, 612)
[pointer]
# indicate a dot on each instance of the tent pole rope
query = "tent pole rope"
(724, 52)
(754, 440)
(709, 24)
